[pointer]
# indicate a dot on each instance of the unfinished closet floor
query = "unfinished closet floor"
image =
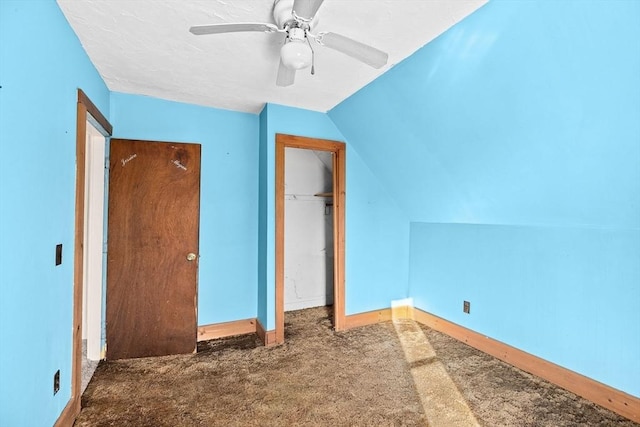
(380, 375)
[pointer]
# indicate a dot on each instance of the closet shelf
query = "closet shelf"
(324, 195)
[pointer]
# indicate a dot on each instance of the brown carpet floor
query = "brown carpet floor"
(321, 378)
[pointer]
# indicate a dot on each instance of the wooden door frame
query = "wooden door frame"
(85, 109)
(339, 167)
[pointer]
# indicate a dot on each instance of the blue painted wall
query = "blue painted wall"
(568, 295)
(41, 66)
(266, 249)
(512, 142)
(227, 284)
(377, 233)
(377, 241)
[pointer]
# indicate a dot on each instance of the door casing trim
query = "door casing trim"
(85, 109)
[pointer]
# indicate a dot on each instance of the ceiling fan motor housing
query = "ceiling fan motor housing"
(282, 12)
(283, 16)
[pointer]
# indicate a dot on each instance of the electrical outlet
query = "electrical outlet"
(59, 254)
(466, 307)
(56, 382)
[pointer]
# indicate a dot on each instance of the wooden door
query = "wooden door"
(152, 261)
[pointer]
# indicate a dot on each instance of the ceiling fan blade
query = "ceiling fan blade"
(306, 9)
(360, 51)
(199, 30)
(286, 76)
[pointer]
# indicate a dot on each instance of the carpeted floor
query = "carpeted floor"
(361, 377)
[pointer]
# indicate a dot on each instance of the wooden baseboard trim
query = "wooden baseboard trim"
(226, 329)
(367, 318)
(615, 400)
(69, 414)
(267, 337)
(377, 316)
(236, 327)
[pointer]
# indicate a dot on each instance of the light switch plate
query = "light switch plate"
(59, 254)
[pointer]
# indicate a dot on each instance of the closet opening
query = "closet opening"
(310, 193)
(308, 229)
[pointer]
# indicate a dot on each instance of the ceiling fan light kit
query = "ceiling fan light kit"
(295, 19)
(296, 55)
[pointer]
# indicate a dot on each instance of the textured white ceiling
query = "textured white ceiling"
(144, 47)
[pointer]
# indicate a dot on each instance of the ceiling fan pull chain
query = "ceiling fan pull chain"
(313, 56)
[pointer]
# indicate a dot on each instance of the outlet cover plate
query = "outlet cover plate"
(466, 307)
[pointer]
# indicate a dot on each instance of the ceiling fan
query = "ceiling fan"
(296, 19)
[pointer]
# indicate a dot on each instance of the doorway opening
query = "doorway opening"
(298, 200)
(308, 229)
(94, 250)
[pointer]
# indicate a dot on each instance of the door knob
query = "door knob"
(191, 256)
